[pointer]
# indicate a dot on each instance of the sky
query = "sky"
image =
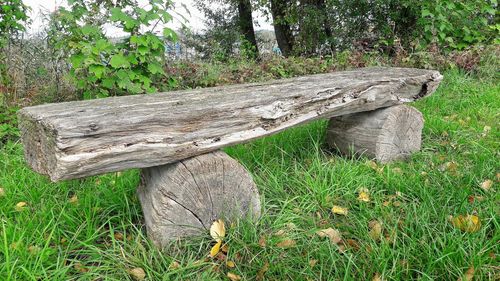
(195, 17)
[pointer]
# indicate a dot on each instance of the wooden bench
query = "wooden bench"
(186, 181)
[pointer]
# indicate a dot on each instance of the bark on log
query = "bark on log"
(84, 138)
(385, 134)
(184, 198)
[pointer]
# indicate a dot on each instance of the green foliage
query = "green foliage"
(104, 67)
(8, 124)
(458, 24)
(12, 16)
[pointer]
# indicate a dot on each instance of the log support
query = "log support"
(385, 134)
(184, 198)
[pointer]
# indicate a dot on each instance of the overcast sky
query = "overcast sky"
(195, 17)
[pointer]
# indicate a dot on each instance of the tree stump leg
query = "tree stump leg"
(184, 198)
(385, 134)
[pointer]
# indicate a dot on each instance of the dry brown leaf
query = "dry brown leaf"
(233, 276)
(469, 275)
(262, 271)
(21, 206)
(486, 185)
(80, 268)
(364, 195)
(468, 223)
(174, 265)
(215, 249)
(118, 236)
(225, 248)
(339, 210)
(280, 232)
(353, 244)
(2, 192)
(375, 229)
(218, 230)
(287, 243)
(333, 234)
(230, 264)
(137, 273)
(262, 241)
(312, 263)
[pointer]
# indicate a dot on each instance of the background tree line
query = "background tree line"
(311, 27)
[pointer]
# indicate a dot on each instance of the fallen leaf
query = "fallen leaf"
(312, 263)
(339, 210)
(397, 170)
(230, 264)
(280, 232)
(469, 275)
(333, 234)
(73, 199)
(262, 241)
(80, 268)
(137, 273)
(34, 249)
(423, 173)
(377, 277)
(218, 230)
(486, 130)
(287, 243)
(174, 265)
(262, 271)
(233, 277)
(215, 249)
(468, 223)
(2, 192)
(118, 236)
(225, 248)
(375, 229)
(449, 166)
(21, 206)
(364, 195)
(486, 185)
(353, 244)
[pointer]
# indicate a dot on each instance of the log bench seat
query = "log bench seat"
(176, 137)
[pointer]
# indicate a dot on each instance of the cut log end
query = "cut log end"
(386, 134)
(184, 198)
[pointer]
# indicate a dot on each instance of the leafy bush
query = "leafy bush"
(104, 67)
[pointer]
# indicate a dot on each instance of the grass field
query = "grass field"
(92, 229)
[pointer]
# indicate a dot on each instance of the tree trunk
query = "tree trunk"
(184, 198)
(282, 29)
(384, 134)
(246, 26)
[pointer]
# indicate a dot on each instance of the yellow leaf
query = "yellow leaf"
(313, 262)
(118, 236)
(80, 268)
(375, 229)
(377, 277)
(286, 243)
(363, 195)
(468, 223)
(2, 192)
(331, 233)
(73, 199)
(33, 249)
(230, 264)
(218, 230)
(339, 210)
(215, 249)
(486, 185)
(174, 265)
(21, 206)
(137, 273)
(233, 277)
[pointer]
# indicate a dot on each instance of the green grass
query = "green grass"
(299, 180)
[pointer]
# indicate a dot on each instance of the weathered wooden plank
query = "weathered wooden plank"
(83, 138)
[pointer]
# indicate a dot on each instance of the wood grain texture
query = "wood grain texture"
(84, 138)
(184, 198)
(385, 134)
